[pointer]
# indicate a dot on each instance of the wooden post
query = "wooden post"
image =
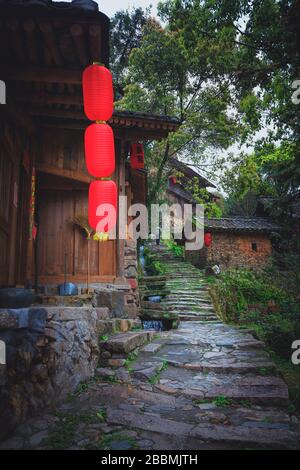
(120, 244)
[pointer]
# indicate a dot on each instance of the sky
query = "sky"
(109, 7)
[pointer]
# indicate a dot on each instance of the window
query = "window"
(254, 246)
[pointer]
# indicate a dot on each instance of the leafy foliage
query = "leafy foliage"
(264, 300)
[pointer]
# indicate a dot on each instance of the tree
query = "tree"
(126, 34)
(163, 78)
(271, 172)
(225, 68)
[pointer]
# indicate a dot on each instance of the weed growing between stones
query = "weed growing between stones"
(64, 434)
(117, 442)
(131, 358)
(84, 386)
(155, 378)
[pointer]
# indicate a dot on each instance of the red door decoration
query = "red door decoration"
(97, 93)
(100, 147)
(100, 150)
(103, 206)
(207, 239)
(137, 157)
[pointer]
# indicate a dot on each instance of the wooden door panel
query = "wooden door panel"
(57, 236)
(56, 233)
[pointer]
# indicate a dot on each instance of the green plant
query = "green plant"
(176, 249)
(64, 434)
(106, 441)
(131, 358)
(155, 378)
(104, 338)
(222, 401)
(101, 414)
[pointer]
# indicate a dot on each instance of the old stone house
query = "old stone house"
(238, 242)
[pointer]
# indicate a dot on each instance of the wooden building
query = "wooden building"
(180, 176)
(44, 47)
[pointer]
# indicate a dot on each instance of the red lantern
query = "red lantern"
(207, 239)
(98, 96)
(99, 150)
(103, 205)
(137, 157)
(173, 179)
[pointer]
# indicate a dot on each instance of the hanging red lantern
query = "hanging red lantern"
(98, 96)
(103, 205)
(173, 179)
(137, 157)
(207, 239)
(99, 150)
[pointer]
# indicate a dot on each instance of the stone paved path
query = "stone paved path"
(204, 386)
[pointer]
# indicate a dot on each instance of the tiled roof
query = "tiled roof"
(242, 224)
(148, 116)
(87, 5)
(188, 171)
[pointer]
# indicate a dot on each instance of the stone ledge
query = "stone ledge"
(33, 318)
(124, 343)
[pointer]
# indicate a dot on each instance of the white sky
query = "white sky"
(109, 7)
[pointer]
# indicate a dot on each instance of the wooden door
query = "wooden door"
(6, 194)
(58, 236)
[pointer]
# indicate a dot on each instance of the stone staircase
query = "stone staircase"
(204, 385)
(187, 297)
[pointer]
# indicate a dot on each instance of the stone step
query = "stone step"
(147, 314)
(255, 389)
(124, 343)
(199, 318)
(206, 435)
(193, 309)
(199, 303)
(156, 293)
(147, 279)
(67, 301)
(192, 313)
(226, 367)
(151, 285)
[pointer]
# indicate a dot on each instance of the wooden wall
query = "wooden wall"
(14, 204)
(62, 195)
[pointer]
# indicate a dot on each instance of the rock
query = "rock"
(145, 374)
(123, 375)
(36, 439)
(151, 348)
(207, 406)
(122, 325)
(15, 443)
(116, 362)
(124, 343)
(103, 372)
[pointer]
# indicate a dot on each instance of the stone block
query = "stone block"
(14, 318)
(124, 343)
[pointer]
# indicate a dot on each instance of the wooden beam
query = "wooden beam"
(13, 26)
(57, 113)
(11, 112)
(79, 40)
(49, 98)
(73, 175)
(30, 29)
(50, 42)
(95, 43)
(42, 74)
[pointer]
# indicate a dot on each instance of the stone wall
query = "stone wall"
(49, 351)
(132, 301)
(237, 250)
